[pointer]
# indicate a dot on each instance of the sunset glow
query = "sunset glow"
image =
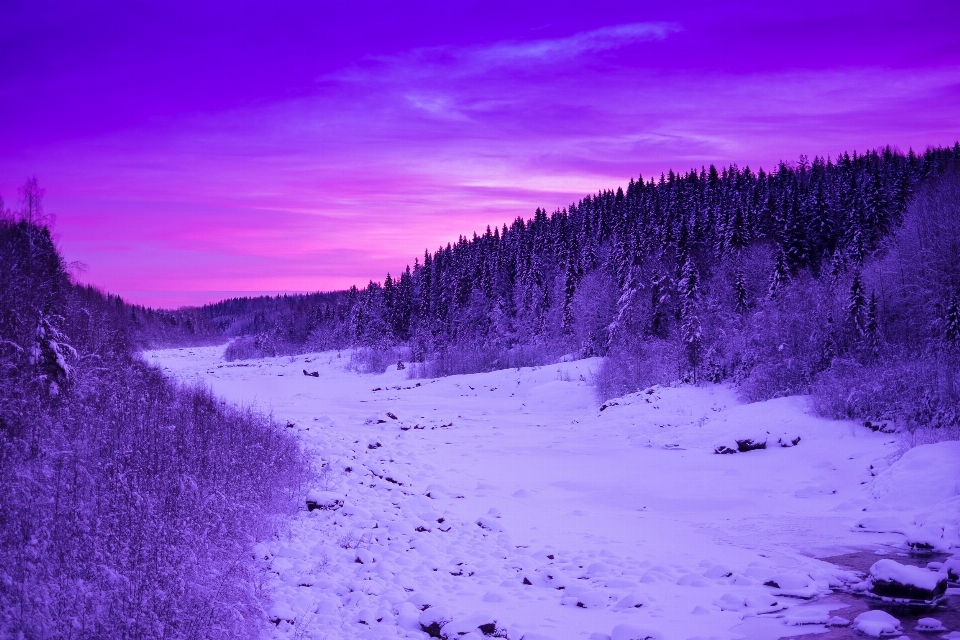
(191, 154)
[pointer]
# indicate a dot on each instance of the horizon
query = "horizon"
(260, 151)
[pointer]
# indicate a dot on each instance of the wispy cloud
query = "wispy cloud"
(467, 60)
(561, 49)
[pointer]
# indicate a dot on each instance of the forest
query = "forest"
(127, 501)
(837, 277)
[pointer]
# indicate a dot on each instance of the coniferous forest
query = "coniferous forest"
(837, 277)
(127, 501)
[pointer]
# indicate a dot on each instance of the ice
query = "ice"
(529, 509)
(877, 624)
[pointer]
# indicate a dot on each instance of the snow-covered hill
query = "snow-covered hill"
(511, 503)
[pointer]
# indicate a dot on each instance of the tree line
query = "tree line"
(776, 280)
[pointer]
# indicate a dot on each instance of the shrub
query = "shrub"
(458, 359)
(376, 360)
(635, 365)
(919, 394)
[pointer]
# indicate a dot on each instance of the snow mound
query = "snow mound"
(930, 625)
(795, 585)
(631, 632)
(877, 624)
(882, 524)
(924, 476)
(560, 396)
(802, 617)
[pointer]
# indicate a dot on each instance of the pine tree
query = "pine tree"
(690, 329)
(740, 291)
(858, 304)
(872, 328)
(952, 322)
(659, 299)
(780, 274)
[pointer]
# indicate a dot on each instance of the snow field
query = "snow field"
(508, 503)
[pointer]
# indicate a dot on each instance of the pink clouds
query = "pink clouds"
(334, 165)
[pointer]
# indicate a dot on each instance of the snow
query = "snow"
(926, 483)
(510, 499)
(930, 625)
(877, 624)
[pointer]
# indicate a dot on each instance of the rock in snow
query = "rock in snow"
(325, 500)
(930, 625)
(896, 582)
(951, 567)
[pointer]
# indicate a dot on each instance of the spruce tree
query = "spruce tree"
(740, 291)
(690, 328)
(857, 306)
(952, 322)
(872, 328)
(780, 274)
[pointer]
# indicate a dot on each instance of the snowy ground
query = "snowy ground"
(510, 499)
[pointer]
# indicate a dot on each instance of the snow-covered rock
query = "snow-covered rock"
(930, 625)
(877, 624)
(951, 567)
(893, 581)
(326, 500)
(793, 584)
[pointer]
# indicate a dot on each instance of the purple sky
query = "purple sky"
(192, 152)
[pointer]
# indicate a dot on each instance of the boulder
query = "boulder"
(903, 584)
(433, 619)
(951, 567)
(324, 500)
(724, 449)
(751, 444)
(880, 425)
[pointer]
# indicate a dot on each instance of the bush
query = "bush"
(458, 359)
(376, 360)
(636, 365)
(789, 340)
(919, 394)
(250, 347)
